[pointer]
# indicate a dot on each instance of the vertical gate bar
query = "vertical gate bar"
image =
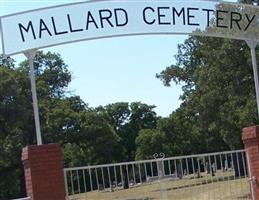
(182, 174)
(210, 166)
(250, 177)
(72, 184)
(78, 184)
(211, 177)
(226, 163)
(103, 178)
(122, 181)
(222, 169)
(175, 167)
(151, 166)
(90, 175)
(217, 176)
(205, 173)
(199, 170)
(169, 165)
(133, 170)
(66, 184)
(193, 171)
(84, 180)
(139, 173)
(145, 168)
(233, 168)
(238, 167)
(199, 167)
(216, 169)
(187, 166)
(109, 176)
(97, 180)
(220, 158)
(244, 166)
(181, 165)
(216, 165)
(232, 164)
(127, 171)
(115, 175)
(163, 167)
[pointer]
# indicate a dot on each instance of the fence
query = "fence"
(221, 175)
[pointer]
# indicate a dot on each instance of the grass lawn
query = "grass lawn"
(222, 186)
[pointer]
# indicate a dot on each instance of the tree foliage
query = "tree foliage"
(218, 88)
(88, 135)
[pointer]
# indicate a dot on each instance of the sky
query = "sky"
(116, 69)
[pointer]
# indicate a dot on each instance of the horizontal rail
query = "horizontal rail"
(153, 160)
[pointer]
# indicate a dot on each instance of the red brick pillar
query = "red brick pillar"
(251, 141)
(43, 169)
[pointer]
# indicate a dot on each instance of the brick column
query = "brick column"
(250, 139)
(43, 169)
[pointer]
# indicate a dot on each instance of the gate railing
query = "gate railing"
(197, 169)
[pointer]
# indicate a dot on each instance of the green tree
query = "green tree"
(218, 88)
(127, 120)
(99, 137)
(149, 142)
(16, 114)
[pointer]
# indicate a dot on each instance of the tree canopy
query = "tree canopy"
(88, 135)
(218, 88)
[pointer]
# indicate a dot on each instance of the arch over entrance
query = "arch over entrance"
(89, 20)
(28, 31)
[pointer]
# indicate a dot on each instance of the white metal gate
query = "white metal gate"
(221, 175)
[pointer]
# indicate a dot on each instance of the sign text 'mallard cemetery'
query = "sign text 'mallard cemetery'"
(91, 20)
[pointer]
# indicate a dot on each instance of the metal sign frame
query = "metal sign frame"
(139, 30)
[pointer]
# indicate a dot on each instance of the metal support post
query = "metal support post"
(30, 56)
(252, 44)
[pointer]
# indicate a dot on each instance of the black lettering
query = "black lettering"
(55, 29)
(124, 13)
(208, 15)
(178, 14)
(70, 25)
(249, 21)
(218, 18)
(107, 18)
(189, 17)
(43, 27)
(237, 20)
(144, 16)
(90, 19)
(159, 9)
(29, 26)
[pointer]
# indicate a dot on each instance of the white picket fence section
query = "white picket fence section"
(183, 172)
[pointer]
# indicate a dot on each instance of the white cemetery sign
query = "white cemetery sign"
(75, 22)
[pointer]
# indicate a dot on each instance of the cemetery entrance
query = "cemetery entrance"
(221, 175)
